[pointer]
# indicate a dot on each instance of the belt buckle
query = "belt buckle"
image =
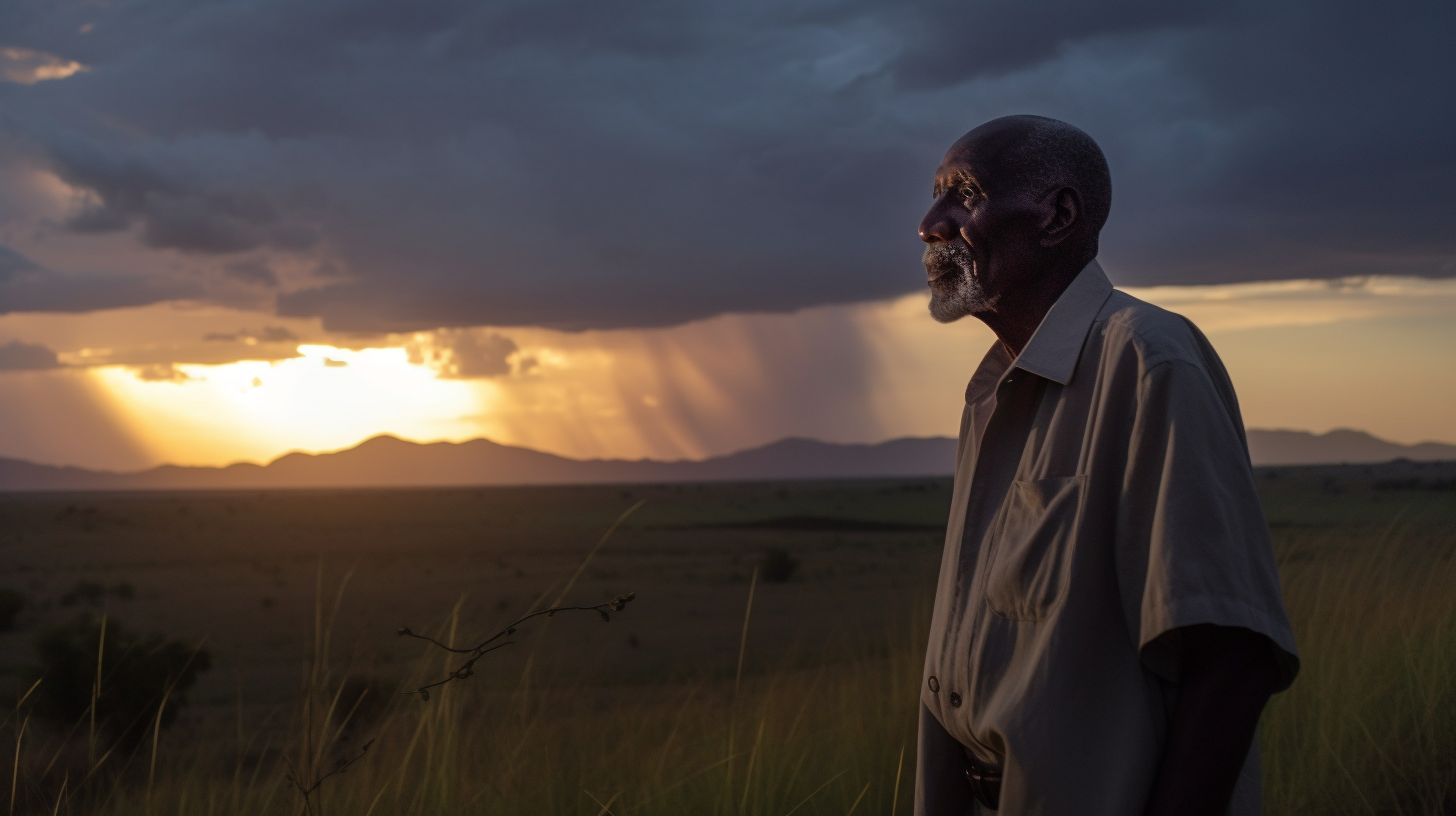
(985, 782)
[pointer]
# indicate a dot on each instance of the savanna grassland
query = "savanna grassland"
(769, 663)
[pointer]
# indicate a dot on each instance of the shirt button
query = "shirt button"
(934, 685)
(955, 700)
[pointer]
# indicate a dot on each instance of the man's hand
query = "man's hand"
(1228, 674)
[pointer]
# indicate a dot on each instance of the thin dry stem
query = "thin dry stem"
(500, 639)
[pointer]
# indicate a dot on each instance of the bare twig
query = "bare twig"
(501, 639)
(341, 766)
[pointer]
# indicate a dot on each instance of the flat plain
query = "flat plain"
(693, 699)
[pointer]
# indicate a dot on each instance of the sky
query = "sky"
(678, 229)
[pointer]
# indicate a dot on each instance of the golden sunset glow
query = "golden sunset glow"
(326, 398)
(1372, 354)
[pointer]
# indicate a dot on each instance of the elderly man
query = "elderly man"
(1107, 624)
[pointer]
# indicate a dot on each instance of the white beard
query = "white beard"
(957, 290)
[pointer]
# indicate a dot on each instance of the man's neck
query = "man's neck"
(1018, 314)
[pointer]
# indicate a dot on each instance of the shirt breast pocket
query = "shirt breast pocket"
(1030, 547)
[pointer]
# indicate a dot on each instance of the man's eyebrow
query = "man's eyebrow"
(955, 179)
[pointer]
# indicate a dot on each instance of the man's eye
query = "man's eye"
(970, 191)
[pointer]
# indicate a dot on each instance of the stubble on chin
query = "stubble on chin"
(955, 288)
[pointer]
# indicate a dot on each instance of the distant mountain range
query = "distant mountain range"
(387, 461)
(1340, 446)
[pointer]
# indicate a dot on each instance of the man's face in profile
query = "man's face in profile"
(976, 231)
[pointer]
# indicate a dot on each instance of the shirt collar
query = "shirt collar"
(1053, 350)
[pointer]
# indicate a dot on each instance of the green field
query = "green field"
(675, 706)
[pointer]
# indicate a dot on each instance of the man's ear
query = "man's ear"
(1062, 215)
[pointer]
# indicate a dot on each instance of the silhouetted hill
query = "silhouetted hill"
(1342, 446)
(386, 461)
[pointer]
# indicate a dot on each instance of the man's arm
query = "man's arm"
(1228, 674)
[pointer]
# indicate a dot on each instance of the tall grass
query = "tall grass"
(836, 737)
(1368, 728)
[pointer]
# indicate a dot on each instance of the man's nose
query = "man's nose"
(935, 227)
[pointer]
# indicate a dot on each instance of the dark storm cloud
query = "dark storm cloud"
(26, 286)
(171, 202)
(14, 265)
(252, 271)
(580, 164)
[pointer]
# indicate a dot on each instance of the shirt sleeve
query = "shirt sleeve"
(1193, 545)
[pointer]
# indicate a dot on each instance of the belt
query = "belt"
(985, 781)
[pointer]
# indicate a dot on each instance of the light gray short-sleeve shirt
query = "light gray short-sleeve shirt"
(1103, 498)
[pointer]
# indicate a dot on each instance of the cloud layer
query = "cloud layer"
(572, 164)
(1314, 355)
(18, 356)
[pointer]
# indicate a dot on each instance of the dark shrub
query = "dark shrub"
(136, 673)
(89, 591)
(12, 603)
(777, 566)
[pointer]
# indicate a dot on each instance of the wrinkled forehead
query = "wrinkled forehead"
(981, 157)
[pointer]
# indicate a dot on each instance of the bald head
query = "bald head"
(1035, 155)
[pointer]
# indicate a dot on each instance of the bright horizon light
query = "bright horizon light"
(326, 398)
(1372, 354)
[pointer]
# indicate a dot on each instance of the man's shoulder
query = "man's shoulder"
(1153, 334)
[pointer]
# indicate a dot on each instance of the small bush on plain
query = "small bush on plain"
(89, 592)
(137, 675)
(777, 566)
(12, 603)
